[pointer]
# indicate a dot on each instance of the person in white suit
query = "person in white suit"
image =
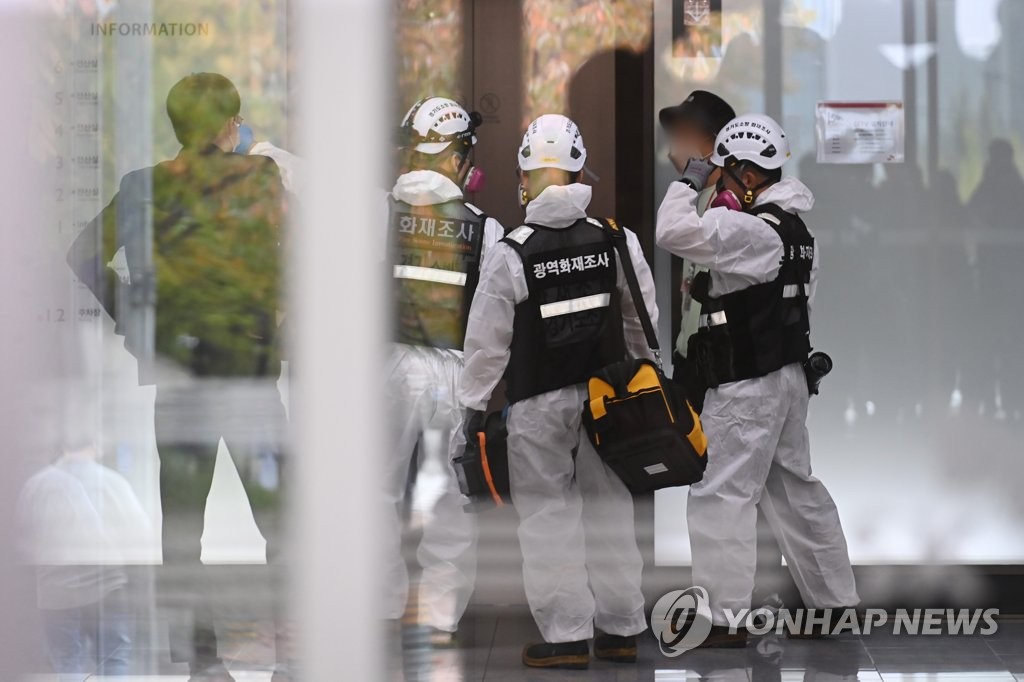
(753, 341)
(436, 242)
(553, 307)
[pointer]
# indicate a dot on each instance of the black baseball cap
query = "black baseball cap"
(705, 109)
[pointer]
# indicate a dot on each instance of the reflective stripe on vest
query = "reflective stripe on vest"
(716, 319)
(430, 275)
(575, 305)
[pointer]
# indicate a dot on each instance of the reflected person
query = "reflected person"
(437, 241)
(79, 521)
(198, 308)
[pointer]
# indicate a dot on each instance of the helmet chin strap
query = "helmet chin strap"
(748, 192)
(474, 178)
(463, 160)
(457, 177)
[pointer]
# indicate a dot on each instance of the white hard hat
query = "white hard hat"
(433, 123)
(756, 138)
(552, 141)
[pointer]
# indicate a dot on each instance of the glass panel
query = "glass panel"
(916, 262)
(206, 196)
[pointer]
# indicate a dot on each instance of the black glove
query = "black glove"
(473, 423)
(696, 173)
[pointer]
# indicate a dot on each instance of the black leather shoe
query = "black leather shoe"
(615, 648)
(572, 655)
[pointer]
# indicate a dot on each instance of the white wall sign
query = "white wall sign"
(860, 132)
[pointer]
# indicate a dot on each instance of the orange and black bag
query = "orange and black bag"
(640, 423)
(482, 470)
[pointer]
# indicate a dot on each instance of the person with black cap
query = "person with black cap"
(691, 128)
(693, 125)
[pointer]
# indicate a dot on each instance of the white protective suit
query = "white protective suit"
(581, 565)
(690, 317)
(422, 384)
(758, 448)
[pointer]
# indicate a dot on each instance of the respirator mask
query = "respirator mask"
(475, 179)
(725, 198)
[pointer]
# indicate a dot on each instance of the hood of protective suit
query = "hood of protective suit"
(789, 194)
(425, 188)
(560, 205)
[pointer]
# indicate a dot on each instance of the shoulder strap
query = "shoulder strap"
(618, 237)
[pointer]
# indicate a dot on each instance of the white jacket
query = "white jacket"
(739, 248)
(503, 285)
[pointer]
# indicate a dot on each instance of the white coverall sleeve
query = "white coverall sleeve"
(636, 341)
(727, 242)
(489, 330)
(493, 233)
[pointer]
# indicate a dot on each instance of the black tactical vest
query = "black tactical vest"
(759, 330)
(571, 324)
(435, 257)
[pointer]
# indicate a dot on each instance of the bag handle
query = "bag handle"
(622, 248)
(486, 466)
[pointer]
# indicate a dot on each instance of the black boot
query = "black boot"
(615, 648)
(573, 655)
(823, 631)
(721, 638)
(209, 671)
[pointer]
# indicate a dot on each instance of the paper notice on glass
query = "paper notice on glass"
(860, 132)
